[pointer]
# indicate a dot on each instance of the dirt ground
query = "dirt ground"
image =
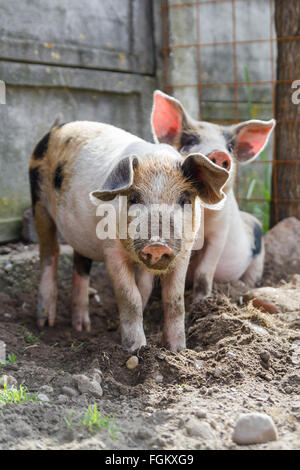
(189, 400)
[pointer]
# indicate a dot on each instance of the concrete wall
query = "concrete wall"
(87, 59)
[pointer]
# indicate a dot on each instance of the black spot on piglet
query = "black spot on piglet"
(35, 180)
(257, 236)
(58, 177)
(41, 147)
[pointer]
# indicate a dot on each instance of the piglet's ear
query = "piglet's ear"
(250, 138)
(207, 177)
(167, 119)
(120, 179)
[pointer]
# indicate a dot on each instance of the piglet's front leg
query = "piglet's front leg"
(128, 297)
(173, 284)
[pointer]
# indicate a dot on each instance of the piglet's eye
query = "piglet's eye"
(133, 199)
(185, 199)
(188, 141)
(230, 146)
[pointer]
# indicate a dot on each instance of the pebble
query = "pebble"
(296, 406)
(8, 267)
(97, 298)
(254, 428)
(199, 363)
(217, 372)
(87, 385)
(200, 429)
(46, 389)
(159, 379)
(9, 380)
(143, 433)
(97, 375)
(92, 291)
(132, 362)
(62, 399)
(43, 397)
(160, 357)
(200, 414)
(70, 392)
(265, 356)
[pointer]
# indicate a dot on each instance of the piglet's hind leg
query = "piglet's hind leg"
(49, 251)
(80, 294)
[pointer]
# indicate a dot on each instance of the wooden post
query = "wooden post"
(286, 176)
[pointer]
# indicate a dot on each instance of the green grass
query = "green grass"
(20, 395)
(257, 187)
(11, 359)
(94, 421)
(28, 337)
(69, 419)
(76, 347)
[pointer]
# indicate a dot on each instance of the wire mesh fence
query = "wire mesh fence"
(220, 59)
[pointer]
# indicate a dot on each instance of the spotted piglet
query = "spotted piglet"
(233, 245)
(83, 174)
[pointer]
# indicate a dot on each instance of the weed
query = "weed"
(75, 347)
(13, 395)
(11, 359)
(69, 419)
(93, 421)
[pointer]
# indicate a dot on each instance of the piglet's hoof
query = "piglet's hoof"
(133, 344)
(174, 345)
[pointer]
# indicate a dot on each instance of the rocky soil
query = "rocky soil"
(243, 357)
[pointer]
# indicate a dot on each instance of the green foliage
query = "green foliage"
(11, 359)
(13, 395)
(93, 421)
(28, 336)
(257, 187)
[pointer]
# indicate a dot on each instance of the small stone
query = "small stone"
(43, 397)
(199, 363)
(97, 298)
(295, 280)
(200, 429)
(86, 385)
(254, 428)
(159, 379)
(264, 306)
(200, 414)
(143, 433)
(7, 315)
(160, 357)
(265, 356)
(217, 372)
(46, 389)
(9, 380)
(70, 392)
(62, 399)
(5, 250)
(296, 406)
(8, 267)
(92, 291)
(132, 362)
(97, 375)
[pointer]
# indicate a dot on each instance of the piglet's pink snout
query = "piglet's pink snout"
(153, 254)
(221, 159)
